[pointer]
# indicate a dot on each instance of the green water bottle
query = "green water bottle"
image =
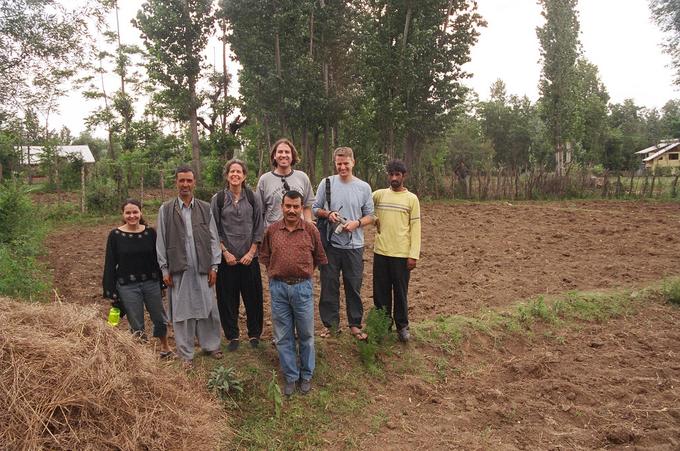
(114, 316)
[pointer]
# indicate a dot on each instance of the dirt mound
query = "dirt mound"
(68, 381)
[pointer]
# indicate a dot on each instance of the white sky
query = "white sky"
(616, 35)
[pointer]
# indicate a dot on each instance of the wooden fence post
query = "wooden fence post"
(82, 188)
(162, 185)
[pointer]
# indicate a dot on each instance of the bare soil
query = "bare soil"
(611, 385)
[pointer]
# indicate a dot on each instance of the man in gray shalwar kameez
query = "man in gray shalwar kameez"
(188, 249)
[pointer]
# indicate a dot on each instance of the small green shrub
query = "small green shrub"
(22, 231)
(16, 212)
(377, 328)
(671, 291)
(102, 196)
(224, 382)
(274, 394)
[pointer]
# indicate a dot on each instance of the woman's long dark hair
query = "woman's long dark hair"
(138, 204)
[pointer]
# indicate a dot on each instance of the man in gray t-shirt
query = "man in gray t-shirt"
(350, 209)
(273, 185)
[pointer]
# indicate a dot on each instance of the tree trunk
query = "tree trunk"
(162, 182)
(193, 124)
(632, 178)
(410, 143)
(311, 34)
(283, 123)
(312, 156)
(224, 71)
(407, 24)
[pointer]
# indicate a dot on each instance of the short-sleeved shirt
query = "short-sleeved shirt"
(352, 200)
(292, 254)
(271, 189)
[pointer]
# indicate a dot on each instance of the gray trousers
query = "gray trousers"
(207, 330)
(134, 297)
(350, 262)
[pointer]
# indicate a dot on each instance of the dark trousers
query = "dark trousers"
(350, 262)
(391, 276)
(234, 282)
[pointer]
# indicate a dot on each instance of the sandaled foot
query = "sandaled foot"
(358, 334)
(166, 355)
(217, 354)
(325, 333)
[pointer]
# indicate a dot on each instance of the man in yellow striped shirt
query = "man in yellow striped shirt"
(397, 246)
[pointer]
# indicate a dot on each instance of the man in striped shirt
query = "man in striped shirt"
(397, 246)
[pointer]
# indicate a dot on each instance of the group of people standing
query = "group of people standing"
(201, 249)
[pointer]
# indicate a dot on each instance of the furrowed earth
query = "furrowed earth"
(609, 384)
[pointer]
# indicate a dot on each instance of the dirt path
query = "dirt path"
(612, 385)
(615, 385)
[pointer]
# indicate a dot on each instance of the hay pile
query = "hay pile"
(68, 381)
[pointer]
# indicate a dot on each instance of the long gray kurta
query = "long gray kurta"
(190, 295)
(193, 307)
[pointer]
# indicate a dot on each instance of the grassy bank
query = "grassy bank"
(340, 410)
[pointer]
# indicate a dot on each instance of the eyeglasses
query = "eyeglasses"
(286, 187)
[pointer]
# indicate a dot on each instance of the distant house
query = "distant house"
(31, 155)
(664, 154)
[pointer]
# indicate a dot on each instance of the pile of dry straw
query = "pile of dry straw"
(68, 381)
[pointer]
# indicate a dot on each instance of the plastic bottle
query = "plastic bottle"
(114, 316)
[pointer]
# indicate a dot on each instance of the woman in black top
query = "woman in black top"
(132, 276)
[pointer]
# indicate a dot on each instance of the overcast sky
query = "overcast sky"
(616, 35)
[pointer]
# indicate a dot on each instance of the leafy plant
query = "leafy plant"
(224, 382)
(102, 196)
(21, 241)
(274, 394)
(377, 328)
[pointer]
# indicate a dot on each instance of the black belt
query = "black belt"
(292, 280)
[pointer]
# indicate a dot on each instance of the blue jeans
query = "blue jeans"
(293, 308)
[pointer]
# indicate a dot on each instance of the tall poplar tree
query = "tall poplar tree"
(666, 13)
(412, 55)
(175, 33)
(560, 48)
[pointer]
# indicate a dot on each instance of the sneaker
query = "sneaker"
(254, 342)
(233, 345)
(404, 335)
(305, 386)
(289, 388)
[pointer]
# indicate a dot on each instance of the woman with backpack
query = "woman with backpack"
(238, 214)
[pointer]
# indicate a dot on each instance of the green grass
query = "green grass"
(339, 394)
(448, 332)
(670, 290)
